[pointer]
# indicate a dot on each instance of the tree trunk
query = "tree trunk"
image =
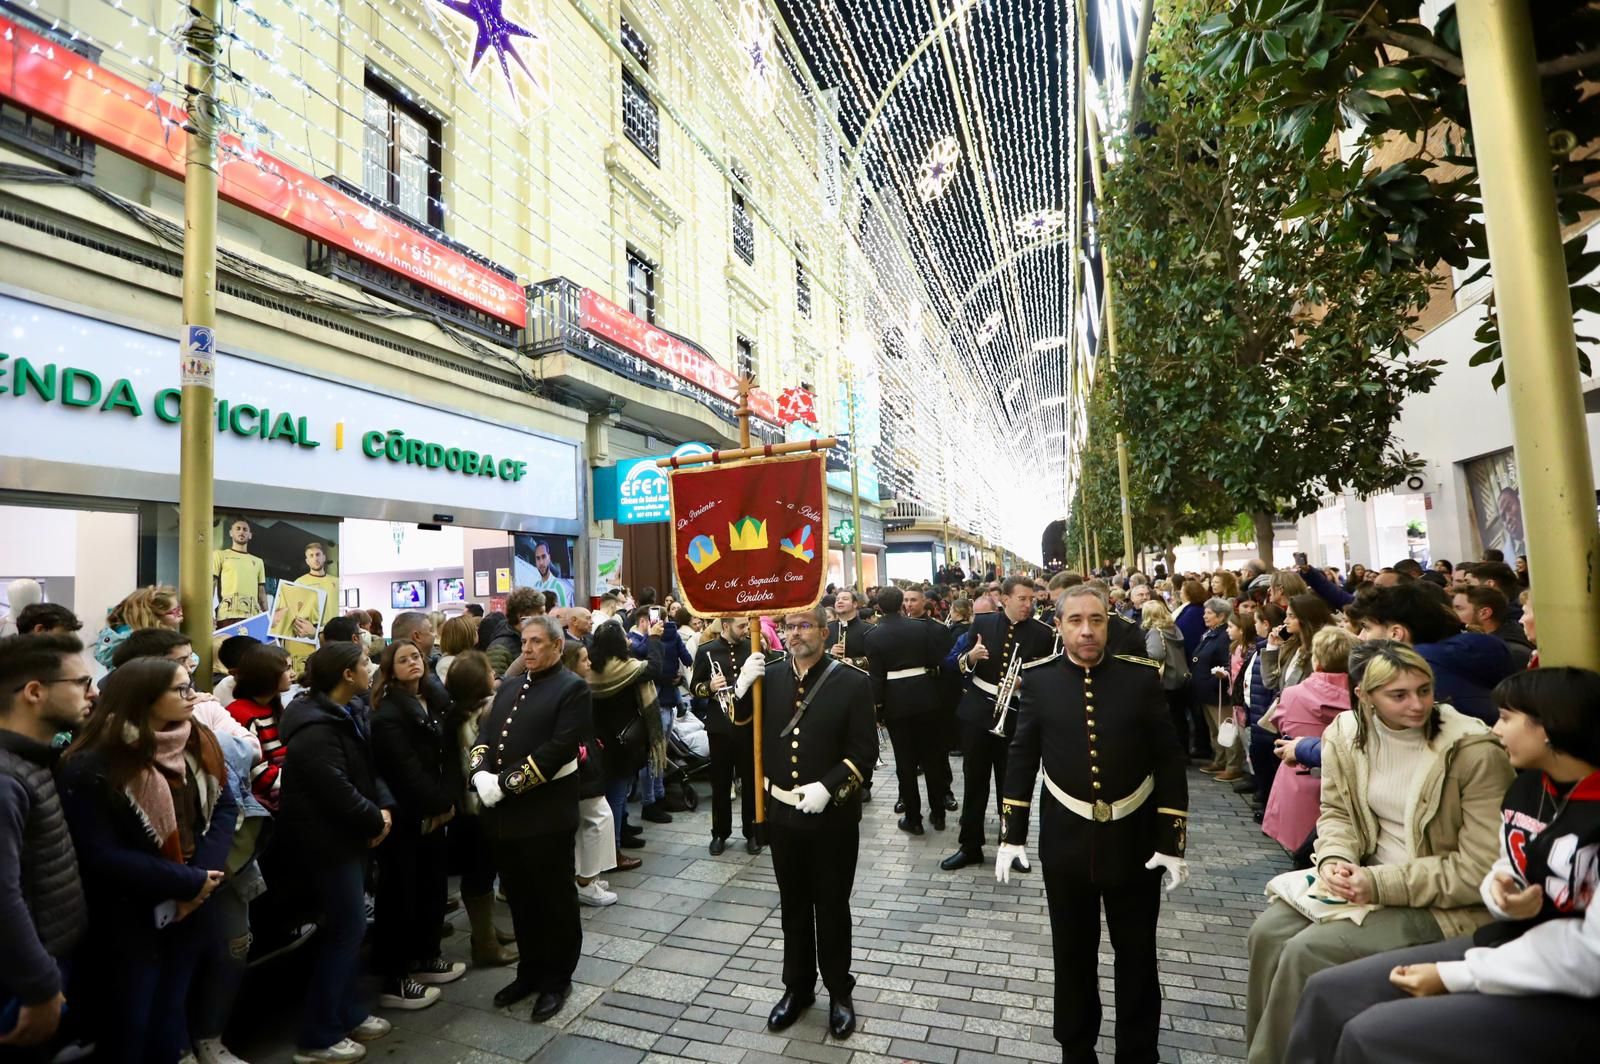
(1171, 555)
(1264, 535)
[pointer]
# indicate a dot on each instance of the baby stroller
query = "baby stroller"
(688, 758)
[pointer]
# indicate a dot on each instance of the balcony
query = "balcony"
(337, 263)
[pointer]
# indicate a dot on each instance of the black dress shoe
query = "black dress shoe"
(1245, 786)
(631, 842)
(866, 793)
(788, 1009)
(910, 827)
(752, 846)
(548, 1005)
(900, 807)
(655, 814)
(950, 803)
(718, 846)
(960, 859)
(1018, 866)
(512, 993)
(936, 818)
(632, 829)
(841, 1018)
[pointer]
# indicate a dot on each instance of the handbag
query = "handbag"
(1227, 731)
(633, 742)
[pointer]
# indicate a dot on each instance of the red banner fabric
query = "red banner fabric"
(748, 537)
(122, 116)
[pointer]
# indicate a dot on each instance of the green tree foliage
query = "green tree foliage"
(1381, 77)
(1261, 365)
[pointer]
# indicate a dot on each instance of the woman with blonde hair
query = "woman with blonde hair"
(456, 636)
(1164, 643)
(1408, 828)
(155, 606)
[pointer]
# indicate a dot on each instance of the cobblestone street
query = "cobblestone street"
(951, 967)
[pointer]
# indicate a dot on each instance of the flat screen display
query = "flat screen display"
(408, 594)
(452, 589)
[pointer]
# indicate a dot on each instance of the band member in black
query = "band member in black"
(996, 645)
(716, 684)
(525, 770)
(819, 746)
(936, 768)
(904, 657)
(847, 632)
(1115, 814)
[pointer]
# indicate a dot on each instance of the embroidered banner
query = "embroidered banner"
(746, 537)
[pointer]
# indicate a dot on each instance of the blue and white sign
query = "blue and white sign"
(642, 496)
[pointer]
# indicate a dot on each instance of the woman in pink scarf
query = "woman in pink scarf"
(1304, 712)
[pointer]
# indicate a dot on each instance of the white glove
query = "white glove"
(1002, 862)
(488, 787)
(754, 668)
(1177, 870)
(814, 797)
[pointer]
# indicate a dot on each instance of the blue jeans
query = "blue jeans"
(334, 1006)
(617, 789)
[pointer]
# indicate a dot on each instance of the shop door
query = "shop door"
(646, 557)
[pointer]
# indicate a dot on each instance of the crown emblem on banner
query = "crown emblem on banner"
(799, 544)
(702, 552)
(747, 534)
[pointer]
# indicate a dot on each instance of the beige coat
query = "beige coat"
(1453, 823)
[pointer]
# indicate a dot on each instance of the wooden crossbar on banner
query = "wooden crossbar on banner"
(745, 451)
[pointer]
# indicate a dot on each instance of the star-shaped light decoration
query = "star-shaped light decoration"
(758, 50)
(1049, 343)
(990, 326)
(1035, 225)
(939, 169)
(519, 71)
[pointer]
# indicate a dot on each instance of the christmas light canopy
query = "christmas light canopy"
(939, 169)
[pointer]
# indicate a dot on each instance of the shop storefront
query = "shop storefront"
(89, 477)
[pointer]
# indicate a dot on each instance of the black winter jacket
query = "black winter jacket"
(409, 748)
(1210, 652)
(332, 796)
(41, 898)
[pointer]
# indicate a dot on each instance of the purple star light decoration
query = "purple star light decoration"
(495, 31)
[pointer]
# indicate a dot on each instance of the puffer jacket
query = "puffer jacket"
(1454, 826)
(1466, 667)
(1260, 695)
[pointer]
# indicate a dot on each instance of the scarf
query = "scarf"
(150, 791)
(622, 673)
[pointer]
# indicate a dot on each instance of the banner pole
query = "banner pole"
(746, 382)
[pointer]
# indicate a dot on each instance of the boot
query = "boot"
(486, 948)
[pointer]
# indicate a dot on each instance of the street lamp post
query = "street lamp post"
(1536, 328)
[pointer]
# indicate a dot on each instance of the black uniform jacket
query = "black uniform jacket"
(1031, 638)
(730, 658)
(1098, 733)
(531, 731)
(835, 743)
(855, 639)
(898, 643)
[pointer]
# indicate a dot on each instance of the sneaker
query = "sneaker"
(342, 1050)
(212, 1051)
(438, 971)
(370, 905)
(596, 895)
(73, 1052)
(264, 949)
(371, 1029)
(406, 994)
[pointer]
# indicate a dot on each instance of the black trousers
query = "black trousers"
(1132, 909)
(469, 855)
(919, 742)
(1178, 707)
(983, 754)
(731, 753)
(537, 876)
(816, 869)
(413, 875)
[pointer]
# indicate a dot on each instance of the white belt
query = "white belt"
(1101, 811)
(984, 685)
(786, 797)
(904, 674)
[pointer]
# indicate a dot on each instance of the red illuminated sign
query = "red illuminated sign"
(604, 318)
(122, 116)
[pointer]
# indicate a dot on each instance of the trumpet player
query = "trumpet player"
(903, 658)
(983, 656)
(1112, 824)
(721, 689)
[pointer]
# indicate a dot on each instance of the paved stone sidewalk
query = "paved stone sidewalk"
(951, 967)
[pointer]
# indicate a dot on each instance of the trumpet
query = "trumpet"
(725, 697)
(1003, 692)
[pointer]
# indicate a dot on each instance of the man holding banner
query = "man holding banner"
(823, 742)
